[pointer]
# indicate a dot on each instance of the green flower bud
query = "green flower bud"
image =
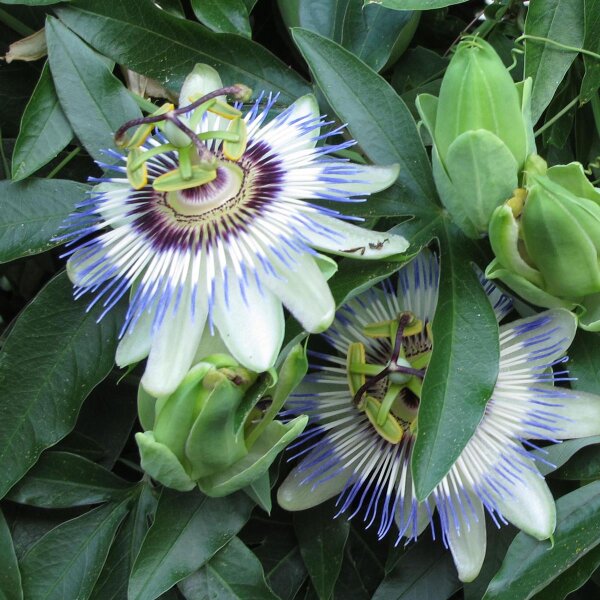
(482, 134)
(211, 432)
(547, 240)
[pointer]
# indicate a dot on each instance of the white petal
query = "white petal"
(528, 503)
(576, 414)
(467, 541)
(210, 344)
(367, 179)
(174, 346)
(340, 237)
(137, 341)
(305, 108)
(297, 494)
(252, 329)
(411, 517)
(305, 293)
(537, 341)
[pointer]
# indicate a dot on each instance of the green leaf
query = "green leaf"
(558, 454)
(425, 570)
(280, 556)
(591, 42)
(374, 34)
(530, 565)
(573, 578)
(322, 541)
(414, 4)
(223, 16)
(44, 132)
(94, 100)
(34, 2)
(377, 35)
(233, 573)
(114, 578)
(67, 561)
(584, 465)
(558, 20)
(62, 480)
(584, 357)
(156, 44)
(31, 213)
(465, 349)
(189, 528)
(376, 116)
(10, 577)
(53, 357)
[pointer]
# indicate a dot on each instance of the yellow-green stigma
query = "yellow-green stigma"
(390, 394)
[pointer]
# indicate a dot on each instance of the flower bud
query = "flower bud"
(482, 134)
(547, 246)
(211, 432)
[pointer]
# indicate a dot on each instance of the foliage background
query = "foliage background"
(78, 519)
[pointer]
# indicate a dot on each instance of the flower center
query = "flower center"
(208, 196)
(390, 394)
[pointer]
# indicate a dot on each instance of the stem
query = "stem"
(143, 103)
(232, 89)
(204, 153)
(15, 24)
(5, 165)
(557, 116)
(65, 161)
(536, 38)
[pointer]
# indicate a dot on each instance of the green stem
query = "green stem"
(15, 24)
(5, 165)
(557, 116)
(144, 104)
(144, 156)
(536, 38)
(64, 162)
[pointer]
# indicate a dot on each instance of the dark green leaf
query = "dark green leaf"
(44, 132)
(322, 541)
(591, 42)
(377, 117)
(223, 16)
(113, 581)
(374, 34)
(498, 539)
(188, 530)
(10, 578)
(584, 357)
(279, 553)
(425, 570)
(31, 213)
(55, 354)
(151, 42)
(573, 578)
(94, 100)
(377, 35)
(62, 480)
(414, 4)
(558, 454)
(67, 561)
(585, 465)
(450, 411)
(416, 68)
(560, 21)
(531, 565)
(233, 573)
(33, 2)
(350, 585)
